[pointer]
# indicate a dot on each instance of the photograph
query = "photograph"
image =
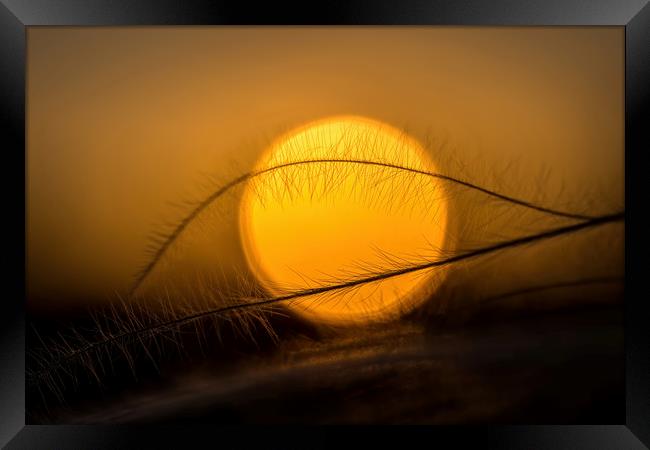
(342, 225)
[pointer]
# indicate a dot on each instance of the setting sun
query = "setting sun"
(333, 202)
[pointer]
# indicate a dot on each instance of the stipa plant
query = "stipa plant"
(133, 327)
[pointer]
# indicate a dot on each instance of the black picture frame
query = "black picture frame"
(17, 15)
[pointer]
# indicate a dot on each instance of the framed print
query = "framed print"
(242, 223)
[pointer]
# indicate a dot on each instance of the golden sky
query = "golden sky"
(120, 121)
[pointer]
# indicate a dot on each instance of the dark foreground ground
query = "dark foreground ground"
(565, 367)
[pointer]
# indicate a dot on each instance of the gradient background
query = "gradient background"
(122, 120)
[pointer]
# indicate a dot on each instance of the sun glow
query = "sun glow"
(334, 207)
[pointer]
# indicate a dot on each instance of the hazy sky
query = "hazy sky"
(123, 120)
